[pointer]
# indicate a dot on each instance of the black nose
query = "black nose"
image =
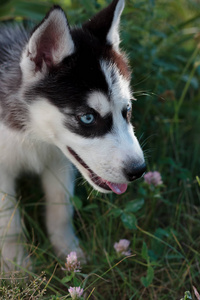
(133, 172)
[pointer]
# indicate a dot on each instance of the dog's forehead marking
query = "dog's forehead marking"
(119, 86)
(99, 102)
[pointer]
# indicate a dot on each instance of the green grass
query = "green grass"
(164, 224)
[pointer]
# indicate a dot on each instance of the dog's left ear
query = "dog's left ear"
(49, 44)
(105, 25)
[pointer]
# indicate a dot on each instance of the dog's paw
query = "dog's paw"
(65, 247)
(14, 258)
(80, 255)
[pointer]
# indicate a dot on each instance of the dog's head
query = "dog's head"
(78, 85)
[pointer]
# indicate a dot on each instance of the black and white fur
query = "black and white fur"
(65, 99)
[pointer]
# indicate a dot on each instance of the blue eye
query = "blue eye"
(129, 107)
(87, 119)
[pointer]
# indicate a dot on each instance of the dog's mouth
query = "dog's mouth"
(117, 188)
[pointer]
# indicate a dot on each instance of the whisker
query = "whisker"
(88, 197)
(143, 143)
(143, 79)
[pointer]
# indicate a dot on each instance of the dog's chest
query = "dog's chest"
(19, 153)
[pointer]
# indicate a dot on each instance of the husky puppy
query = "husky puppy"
(65, 99)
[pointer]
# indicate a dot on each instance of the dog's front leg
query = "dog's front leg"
(58, 184)
(12, 250)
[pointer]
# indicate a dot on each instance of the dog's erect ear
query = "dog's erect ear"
(51, 41)
(105, 25)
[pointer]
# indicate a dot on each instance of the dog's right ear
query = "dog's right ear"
(49, 43)
(105, 24)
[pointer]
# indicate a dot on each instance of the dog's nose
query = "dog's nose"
(133, 172)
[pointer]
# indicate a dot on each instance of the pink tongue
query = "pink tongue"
(117, 188)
